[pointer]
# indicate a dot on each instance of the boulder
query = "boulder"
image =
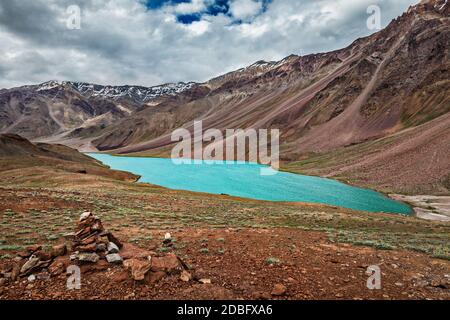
(130, 251)
(138, 268)
(168, 263)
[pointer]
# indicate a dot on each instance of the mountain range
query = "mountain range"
(375, 113)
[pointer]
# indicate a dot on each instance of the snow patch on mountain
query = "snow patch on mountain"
(137, 93)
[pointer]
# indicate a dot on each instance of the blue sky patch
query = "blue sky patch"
(215, 8)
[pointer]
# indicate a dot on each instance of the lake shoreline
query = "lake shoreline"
(244, 180)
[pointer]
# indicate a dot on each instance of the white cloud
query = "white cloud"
(122, 42)
(190, 7)
(245, 9)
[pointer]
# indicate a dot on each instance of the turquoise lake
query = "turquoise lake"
(244, 180)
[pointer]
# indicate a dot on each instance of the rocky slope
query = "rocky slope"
(21, 160)
(57, 110)
(379, 85)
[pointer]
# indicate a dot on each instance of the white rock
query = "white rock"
(205, 281)
(112, 247)
(114, 258)
(167, 236)
(31, 278)
(84, 215)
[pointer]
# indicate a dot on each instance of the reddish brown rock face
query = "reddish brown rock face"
(129, 251)
(138, 268)
(168, 263)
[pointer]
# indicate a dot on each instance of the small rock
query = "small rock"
(185, 276)
(43, 276)
(167, 239)
(205, 281)
(112, 248)
(101, 247)
(34, 248)
(30, 264)
(88, 257)
(278, 290)
(114, 258)
(339, 295)
(399, 284)
(74, 256)
(59, 250)
(56, 268)
(112, 238)
(31, 278)
(85, 215)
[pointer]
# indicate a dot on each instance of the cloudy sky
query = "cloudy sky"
(149, 42)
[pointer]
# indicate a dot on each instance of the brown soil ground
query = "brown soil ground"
(310, 264)
(236, 262)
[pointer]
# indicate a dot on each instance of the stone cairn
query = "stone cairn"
(91, 242)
